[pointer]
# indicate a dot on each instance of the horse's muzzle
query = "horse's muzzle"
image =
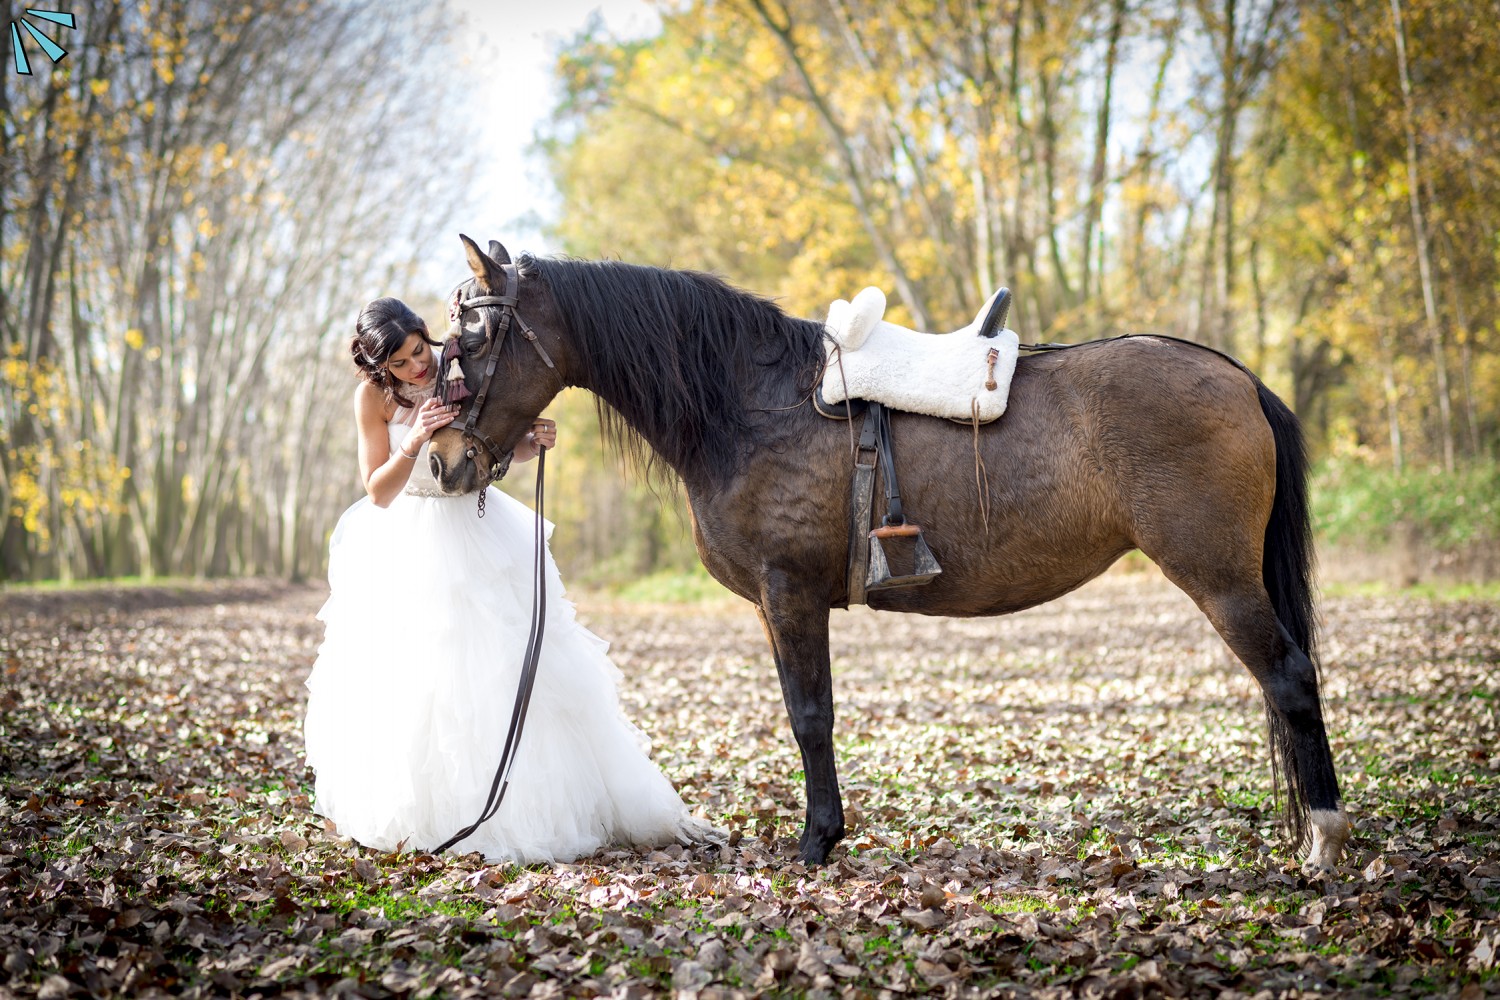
(465, 476)
(459, 479)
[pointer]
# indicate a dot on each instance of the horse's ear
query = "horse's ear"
(486, 271)
(497, 253)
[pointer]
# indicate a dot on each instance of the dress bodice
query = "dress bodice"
(420, 482)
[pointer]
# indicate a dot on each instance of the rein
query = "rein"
(529, 661)
(453, 390)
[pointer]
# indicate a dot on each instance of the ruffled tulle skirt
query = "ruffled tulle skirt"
(411, 695)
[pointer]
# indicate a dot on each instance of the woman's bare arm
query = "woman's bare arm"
(384, 471)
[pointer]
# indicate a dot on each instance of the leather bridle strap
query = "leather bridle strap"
(529, 662)
(495, 337)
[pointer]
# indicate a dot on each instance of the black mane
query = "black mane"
(680, 359)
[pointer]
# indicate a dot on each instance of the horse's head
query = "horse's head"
(504, 339)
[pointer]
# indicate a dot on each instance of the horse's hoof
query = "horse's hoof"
(811, 854)
(1331, 831)
(1312, 869)
(814, 850)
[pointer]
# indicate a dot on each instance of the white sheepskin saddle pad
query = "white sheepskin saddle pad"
(942, 375)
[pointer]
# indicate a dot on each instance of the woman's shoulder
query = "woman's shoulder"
(371, 401)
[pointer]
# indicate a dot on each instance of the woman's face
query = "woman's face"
(413, 362)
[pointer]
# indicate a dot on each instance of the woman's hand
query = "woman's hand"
(543, 434)
(431, 416)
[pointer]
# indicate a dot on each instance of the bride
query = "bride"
(411, 694)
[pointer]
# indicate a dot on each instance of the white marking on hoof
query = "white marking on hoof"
(1330, 832)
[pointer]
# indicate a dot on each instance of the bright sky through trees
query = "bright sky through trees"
(508, 51)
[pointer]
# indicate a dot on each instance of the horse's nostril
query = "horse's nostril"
(436, 463)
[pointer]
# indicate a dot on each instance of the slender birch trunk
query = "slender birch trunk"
(1432, 323)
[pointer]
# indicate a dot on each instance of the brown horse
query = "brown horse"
(1138, 443)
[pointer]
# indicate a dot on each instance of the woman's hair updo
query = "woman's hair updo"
(381, 329)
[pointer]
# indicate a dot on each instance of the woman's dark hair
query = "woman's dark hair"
(381, 329)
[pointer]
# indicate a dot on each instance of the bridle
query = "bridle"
(494, 338)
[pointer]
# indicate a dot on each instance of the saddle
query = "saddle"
(873, 367)
(964, 375)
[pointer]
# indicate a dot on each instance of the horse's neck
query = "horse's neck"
(674, 446)
(695, 405)
(671, 449)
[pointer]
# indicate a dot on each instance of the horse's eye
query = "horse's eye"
(471, 338)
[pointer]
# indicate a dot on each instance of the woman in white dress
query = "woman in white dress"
(411, 694)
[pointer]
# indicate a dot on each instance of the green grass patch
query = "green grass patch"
(1426, 591)
(1019, 904)
(692, 586)
(1248, 798)
(398, 905)
(100, 583)
(1354, 503)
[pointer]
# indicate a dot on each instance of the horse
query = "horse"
(1140, 442)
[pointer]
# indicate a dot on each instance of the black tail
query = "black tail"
(1287, 565)
(1288, 557)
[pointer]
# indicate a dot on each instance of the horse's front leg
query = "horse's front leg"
(796, 625)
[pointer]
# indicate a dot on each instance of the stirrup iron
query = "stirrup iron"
(924, 564)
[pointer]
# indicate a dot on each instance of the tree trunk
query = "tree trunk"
(1097, 173)
(1046, 83)
(1392, 396)
(1145, 161)
(854, 175)
(1435, 337)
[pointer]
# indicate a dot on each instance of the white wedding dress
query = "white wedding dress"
(411, 695)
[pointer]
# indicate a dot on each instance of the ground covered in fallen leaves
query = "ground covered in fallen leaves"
(1073, 801)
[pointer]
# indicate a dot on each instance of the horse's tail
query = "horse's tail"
(1287, 564)
(1287, 561)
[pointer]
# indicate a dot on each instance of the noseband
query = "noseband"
(494, 337)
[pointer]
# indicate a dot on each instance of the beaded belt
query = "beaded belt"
(424, 491)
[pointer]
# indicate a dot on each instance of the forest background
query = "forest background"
(194, 204)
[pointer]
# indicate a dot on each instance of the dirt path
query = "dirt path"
(1073, 801)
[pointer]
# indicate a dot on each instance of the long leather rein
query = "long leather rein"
(501, 781)
(495, 336)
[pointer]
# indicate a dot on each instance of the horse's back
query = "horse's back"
(1142, 443)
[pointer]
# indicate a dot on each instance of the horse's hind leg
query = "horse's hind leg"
(1330, 825)
(1241, 612)
(796, 625)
